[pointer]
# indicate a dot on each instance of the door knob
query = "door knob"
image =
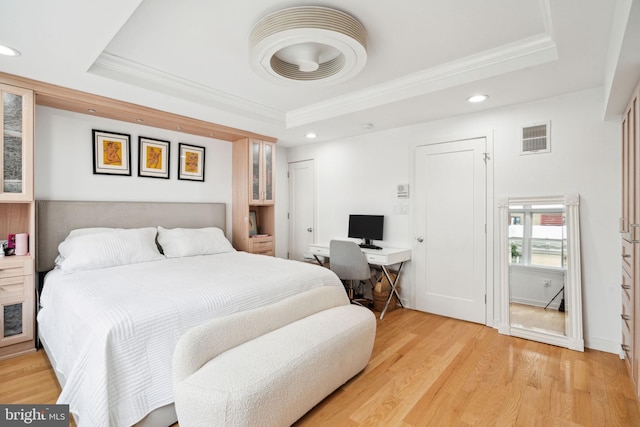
(309, 229)
(420, 239)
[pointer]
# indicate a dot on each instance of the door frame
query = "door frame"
(491, 257)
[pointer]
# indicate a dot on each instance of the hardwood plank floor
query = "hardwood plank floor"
(428, 370)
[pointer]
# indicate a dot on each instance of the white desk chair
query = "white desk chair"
(350, 263)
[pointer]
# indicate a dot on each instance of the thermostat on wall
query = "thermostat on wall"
(403, 191)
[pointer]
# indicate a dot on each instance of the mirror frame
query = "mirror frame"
(573, 338)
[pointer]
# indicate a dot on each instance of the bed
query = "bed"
(109, 325)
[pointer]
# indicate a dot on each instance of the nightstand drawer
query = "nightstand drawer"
(14, 266)
(11, 287)
(268, 252)
(262, 245)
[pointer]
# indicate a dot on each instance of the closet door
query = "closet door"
(629, 224)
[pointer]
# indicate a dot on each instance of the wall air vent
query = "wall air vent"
(535, 139)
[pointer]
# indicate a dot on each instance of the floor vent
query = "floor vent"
(535, 138)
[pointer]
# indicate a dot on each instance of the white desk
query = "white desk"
(383, 258)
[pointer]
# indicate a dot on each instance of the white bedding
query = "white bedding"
(111, 332)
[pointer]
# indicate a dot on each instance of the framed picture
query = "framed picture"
(191, 162)
(111, 153)
(253, 223)
(154, 157)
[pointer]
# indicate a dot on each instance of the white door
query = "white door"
(450, 218)
(301, 208)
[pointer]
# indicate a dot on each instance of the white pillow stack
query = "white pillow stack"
(88, 249)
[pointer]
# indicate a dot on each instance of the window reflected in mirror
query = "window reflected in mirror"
(538, 249)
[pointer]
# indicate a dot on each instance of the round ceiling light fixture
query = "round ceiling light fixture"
(308, 44)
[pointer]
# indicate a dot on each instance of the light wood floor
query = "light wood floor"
(529, 316)
(428, 370)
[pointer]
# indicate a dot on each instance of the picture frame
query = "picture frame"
(191, 162)
(111, 153)
(154, 157)
(253, 223)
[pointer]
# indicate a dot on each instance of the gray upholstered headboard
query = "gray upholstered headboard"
(55, 219)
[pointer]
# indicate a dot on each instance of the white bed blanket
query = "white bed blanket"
(111, 332)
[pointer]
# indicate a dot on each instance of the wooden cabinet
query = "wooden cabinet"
(17, 215)
(254, 191)
(629, 224)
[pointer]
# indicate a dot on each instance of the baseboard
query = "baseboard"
(600, 344)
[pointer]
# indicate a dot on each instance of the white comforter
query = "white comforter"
(111, 332)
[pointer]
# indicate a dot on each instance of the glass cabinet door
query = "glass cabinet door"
(15, 322)
(268, 172)
(256, 191)
(261, 163)
(16, 130)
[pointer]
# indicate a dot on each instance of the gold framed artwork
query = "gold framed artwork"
(153, 155)
(191, 162)
(111, 153)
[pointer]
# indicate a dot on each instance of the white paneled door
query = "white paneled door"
(301, 208)
(450, 223)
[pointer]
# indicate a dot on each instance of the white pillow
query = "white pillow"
(108, 249)
(81, 232)
(181, 242)
(89, 230)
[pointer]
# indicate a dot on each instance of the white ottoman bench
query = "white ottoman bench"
(269, 366)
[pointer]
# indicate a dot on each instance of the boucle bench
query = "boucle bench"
(269, 366)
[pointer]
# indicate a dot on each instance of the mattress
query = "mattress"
(111, 332)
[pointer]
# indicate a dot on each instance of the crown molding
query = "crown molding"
(511, 57)
(125, 70)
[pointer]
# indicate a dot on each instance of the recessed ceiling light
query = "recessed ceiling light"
(478, 98)
(8, 51)
(311, 135)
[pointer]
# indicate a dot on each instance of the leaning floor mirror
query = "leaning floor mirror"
(540, 280)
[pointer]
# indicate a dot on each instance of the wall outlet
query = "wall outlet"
(546, 283)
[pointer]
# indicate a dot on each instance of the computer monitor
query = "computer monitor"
(367, 228)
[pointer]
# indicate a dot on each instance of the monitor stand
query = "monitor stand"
(368, 245)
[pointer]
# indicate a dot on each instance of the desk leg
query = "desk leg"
(393, 288)
(318, 259)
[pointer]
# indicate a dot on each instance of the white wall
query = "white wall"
(64, 163)
(360, 175)
(282, 202)
(526, 285)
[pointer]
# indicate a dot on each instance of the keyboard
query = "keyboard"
(365, 246)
